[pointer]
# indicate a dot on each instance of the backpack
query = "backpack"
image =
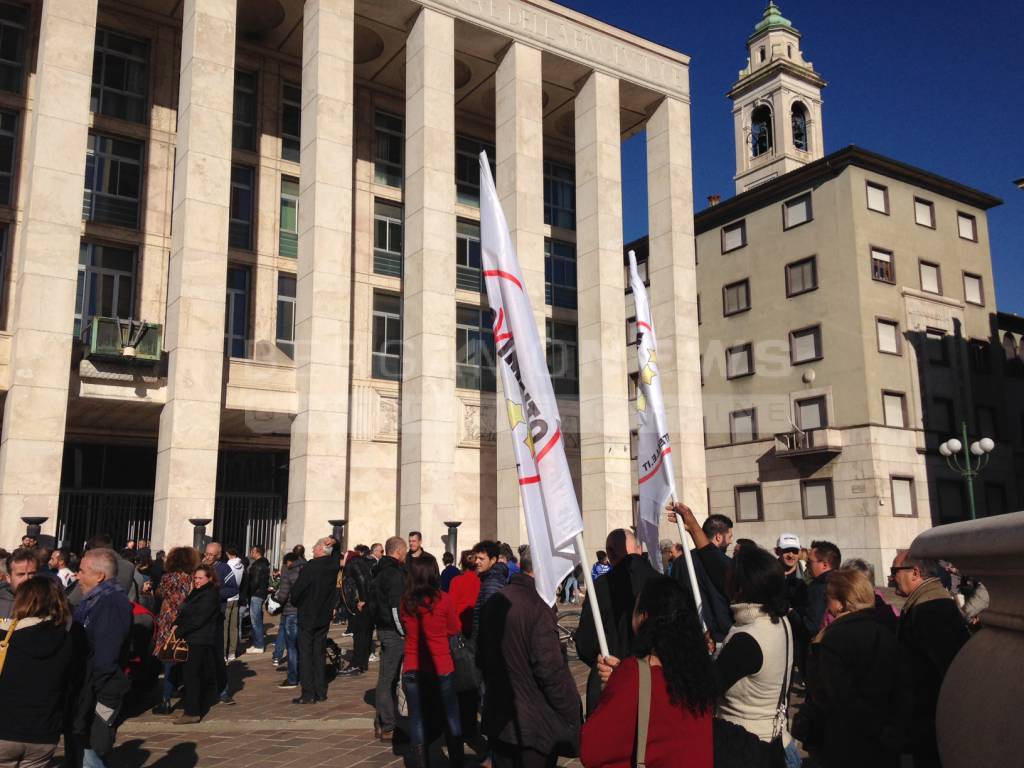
(349, 591)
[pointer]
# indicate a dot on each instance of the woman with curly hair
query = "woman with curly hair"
(668, 640)
(175, 584)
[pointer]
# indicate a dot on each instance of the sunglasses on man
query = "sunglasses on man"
(790, 551)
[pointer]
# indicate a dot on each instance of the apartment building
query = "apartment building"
(847, 328)
(263, 307)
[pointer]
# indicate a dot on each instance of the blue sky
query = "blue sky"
(937, 84)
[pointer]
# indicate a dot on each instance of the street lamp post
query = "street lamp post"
(980, 449)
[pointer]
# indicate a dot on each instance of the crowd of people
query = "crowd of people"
(477, 658)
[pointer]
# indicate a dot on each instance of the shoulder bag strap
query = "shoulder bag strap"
(783, 701)
(643, 713)
(6, 642)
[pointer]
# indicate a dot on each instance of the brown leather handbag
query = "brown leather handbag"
(174, 649)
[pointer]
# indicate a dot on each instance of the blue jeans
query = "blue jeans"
(91, 760)
(413, 698)
(256, 618)
(792, 755)
(290, 631)
(170, 686)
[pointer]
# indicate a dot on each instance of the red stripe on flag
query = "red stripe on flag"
(544, 451)
(529, 480)
(506, 275)
(653, 472)
(642, 324)
(498, 322)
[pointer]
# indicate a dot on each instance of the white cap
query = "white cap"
(789, 541)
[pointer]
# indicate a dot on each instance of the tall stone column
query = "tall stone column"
(186, 462)
(427, 450)
(604, 420)
(317, 487)
(32, 444)
(671, 268)
(519, 121)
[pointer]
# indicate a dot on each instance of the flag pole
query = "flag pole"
(689, 564)
(588, 579)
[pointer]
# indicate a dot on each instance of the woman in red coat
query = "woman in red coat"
(668, 636)
(429, 618)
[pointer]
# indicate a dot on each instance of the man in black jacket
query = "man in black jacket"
(931, 632)
(532, 708)
(493, 575)
(806, 618)
(315, 594)
(355, 591)
(255, 587)
(385, 599)
(616, 595)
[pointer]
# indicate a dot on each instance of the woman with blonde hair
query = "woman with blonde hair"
(175, 584)
(853, 681)
(41, 672)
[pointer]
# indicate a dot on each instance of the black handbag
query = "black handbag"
(467, 676)
(736, 747)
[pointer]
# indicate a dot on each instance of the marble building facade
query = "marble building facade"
(289, 193)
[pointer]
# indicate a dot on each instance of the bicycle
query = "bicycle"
(567, 622)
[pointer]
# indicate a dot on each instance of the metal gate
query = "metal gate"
(245, 519)
(125, 515)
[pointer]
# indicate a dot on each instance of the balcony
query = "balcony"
(802, 442)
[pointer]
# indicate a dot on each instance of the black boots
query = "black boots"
(163, 708)
(418, 757)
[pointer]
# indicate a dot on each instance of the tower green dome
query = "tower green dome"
(772, 18)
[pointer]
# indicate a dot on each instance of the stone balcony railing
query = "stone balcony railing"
(983, 693)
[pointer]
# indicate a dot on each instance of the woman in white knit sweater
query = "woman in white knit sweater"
(754, 661)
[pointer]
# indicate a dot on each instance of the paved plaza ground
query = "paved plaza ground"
(265, 729)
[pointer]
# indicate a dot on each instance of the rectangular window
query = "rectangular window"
(817, 499)
(995, 499)
(811, 413)
(936, 350)
(467, 168)
(387, 238)
(120, 76)
(563, 357)
(805, 345)
(559, 273)
(979, 355)
(291, 121)
(952, 504)
(467, 256)
(801, 276)
(736, 298)
(739, 361)
(8, 142)
(631, 337)
(243, 122)
(967, 226)
(888, 336)
(474, 349)
(288, 236)
(387, 337)
(894, 409)
(878, 198)
(286, 314)
(106, 284)
(931, 281)
(559, 195)
(748, 506)
(797, 211)
(942, 416)
(236, 314)
(240, 222)
(13, 21)
(973, 293)
(5, 268)
(904, 503)
(985, 421)
(113, 181)
(734, 236)
(389, 149)
(743, 426)
(883, 268)
(924, 212)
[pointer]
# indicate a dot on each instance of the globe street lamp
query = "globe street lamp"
(960, 461)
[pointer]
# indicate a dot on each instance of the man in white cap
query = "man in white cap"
(787, 549)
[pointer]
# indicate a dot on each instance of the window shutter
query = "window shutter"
(888, 340)
(876, 199)
(923, 214)
(902, 497)
(893, 406)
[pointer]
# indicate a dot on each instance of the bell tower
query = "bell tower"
(776, 104)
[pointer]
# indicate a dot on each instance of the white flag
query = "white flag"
(552, 511)
(654, 452)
